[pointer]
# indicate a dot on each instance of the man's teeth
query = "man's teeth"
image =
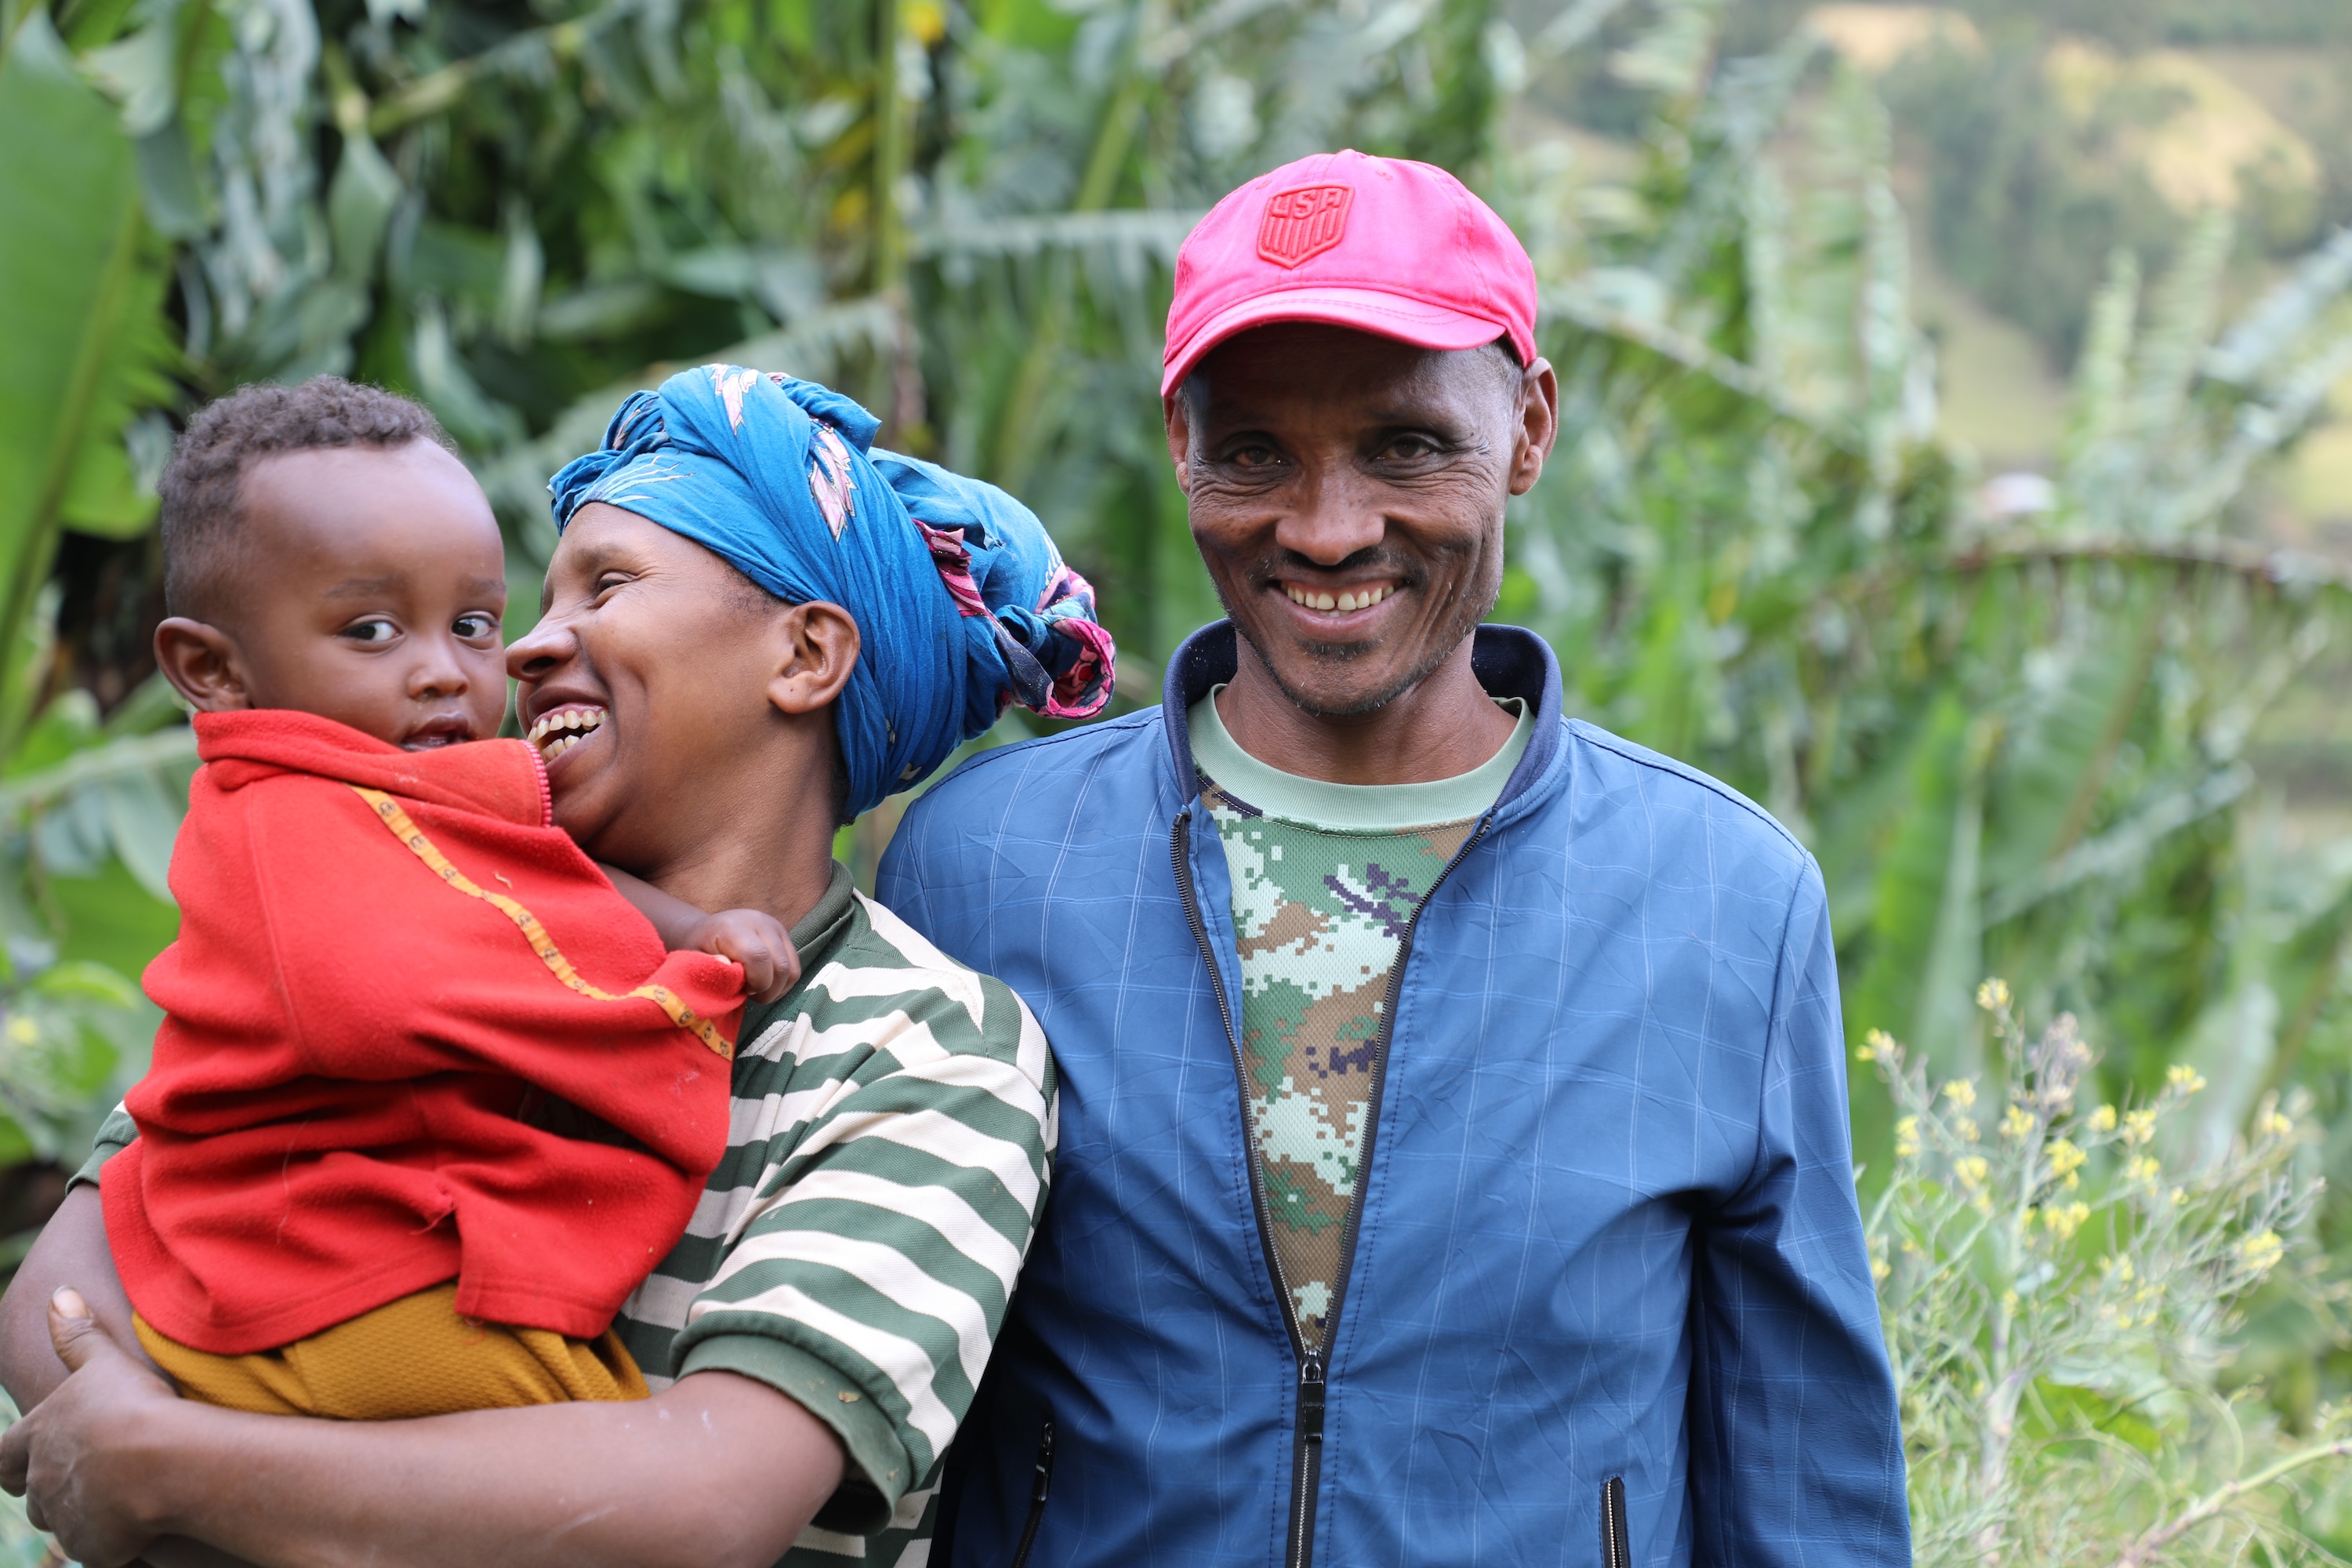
(1359, 599)
(559, 731)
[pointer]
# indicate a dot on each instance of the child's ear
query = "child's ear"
(816, 647)
(202, 664)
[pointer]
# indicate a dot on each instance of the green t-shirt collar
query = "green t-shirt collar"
(1352, 808)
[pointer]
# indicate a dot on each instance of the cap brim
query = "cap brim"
(1365, 310)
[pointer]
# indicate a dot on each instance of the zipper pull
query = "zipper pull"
(1310, 1400)
(1043, 1481)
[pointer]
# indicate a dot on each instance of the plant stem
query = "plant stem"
(2152, 1543)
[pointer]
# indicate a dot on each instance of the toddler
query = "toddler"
(430, 1097)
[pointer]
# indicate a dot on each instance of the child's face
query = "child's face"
(366, 585)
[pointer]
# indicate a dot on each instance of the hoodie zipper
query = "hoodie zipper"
(1306, 1448)
(1615, 1552)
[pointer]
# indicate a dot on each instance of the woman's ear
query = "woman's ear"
(201, 663)
(817, 648)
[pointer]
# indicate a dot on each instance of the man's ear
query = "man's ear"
(1178, 416)
(1539, 424)
(203, 665)
(816, 647)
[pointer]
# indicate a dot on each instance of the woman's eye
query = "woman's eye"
(371, 631)
(475, 625)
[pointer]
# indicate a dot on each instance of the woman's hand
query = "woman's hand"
(77, 1458)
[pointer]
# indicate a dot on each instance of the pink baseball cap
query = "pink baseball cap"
(1385, 245)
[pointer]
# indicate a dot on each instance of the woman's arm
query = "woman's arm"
(717, 1471)
(71, 1247)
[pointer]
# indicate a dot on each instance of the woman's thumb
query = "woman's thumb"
(73, 1329)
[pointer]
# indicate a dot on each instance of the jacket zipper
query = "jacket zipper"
(1616, 1551)
(1041, 1486)
(1306, 1448)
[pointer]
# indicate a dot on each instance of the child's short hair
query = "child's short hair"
(199, 486)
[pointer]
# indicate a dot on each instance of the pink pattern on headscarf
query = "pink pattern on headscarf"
(954, 562)
(1084, 687)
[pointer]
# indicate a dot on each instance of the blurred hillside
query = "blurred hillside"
(2033, 138)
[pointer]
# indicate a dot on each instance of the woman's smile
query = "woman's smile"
(560, 729)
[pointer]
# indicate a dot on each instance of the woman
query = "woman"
(754, 629)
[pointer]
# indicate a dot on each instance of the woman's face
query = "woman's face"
(644, 683)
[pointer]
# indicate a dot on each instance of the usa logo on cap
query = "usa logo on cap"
(1302, 222)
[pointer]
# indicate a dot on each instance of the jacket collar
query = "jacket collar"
(1509, 661)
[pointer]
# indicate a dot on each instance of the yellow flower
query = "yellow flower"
(2118, 1269)
(1875, 1045)
(2009, 1300)
(1907, 1137)
(2184, 1078)
(1993, 995)
(2104, 1119)
(1879, 1269)
(2140, 1126)
(2016, 1123)
(1967, 1128)
(1960, 1092)
(2142, 1169)
(2260, 1251)
(2065, 1157)
(2062, 1220)
(2278, 1124)
(23, 1030)
(1972, 1169)
(2180, 1196)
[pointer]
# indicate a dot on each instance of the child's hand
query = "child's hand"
(757, 941)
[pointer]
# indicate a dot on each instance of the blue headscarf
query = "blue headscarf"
(961, 602)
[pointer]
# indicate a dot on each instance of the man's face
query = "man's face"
(646, 677)
(1346, 492)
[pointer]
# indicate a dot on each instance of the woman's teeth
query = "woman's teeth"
(559, 731)
(1359, 599)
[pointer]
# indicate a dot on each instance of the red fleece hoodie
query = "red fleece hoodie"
(357, 1090)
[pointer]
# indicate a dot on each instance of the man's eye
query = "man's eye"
(373, 630)
(1255, 457)
(608, 581)
(470, 626)
(1410, 449)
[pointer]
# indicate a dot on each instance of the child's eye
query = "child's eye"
(371, 631)
(475, 625)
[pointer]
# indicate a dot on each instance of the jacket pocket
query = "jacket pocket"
(1616, 1551)
(1041, 1486)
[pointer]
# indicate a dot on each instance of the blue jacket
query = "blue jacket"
(1607, 1300)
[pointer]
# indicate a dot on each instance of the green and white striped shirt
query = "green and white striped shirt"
(886, 1161)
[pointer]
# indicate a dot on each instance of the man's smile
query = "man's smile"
(1362, 596)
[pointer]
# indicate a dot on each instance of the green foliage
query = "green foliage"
(82, 350)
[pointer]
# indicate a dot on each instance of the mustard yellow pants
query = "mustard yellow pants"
(409, 1358)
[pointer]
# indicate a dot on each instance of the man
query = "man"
(1453, 1162)
(745, 634)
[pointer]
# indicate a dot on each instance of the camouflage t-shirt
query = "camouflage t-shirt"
(1325, 879)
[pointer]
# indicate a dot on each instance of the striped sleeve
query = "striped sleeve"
(889, 1190)
(114, 1135)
